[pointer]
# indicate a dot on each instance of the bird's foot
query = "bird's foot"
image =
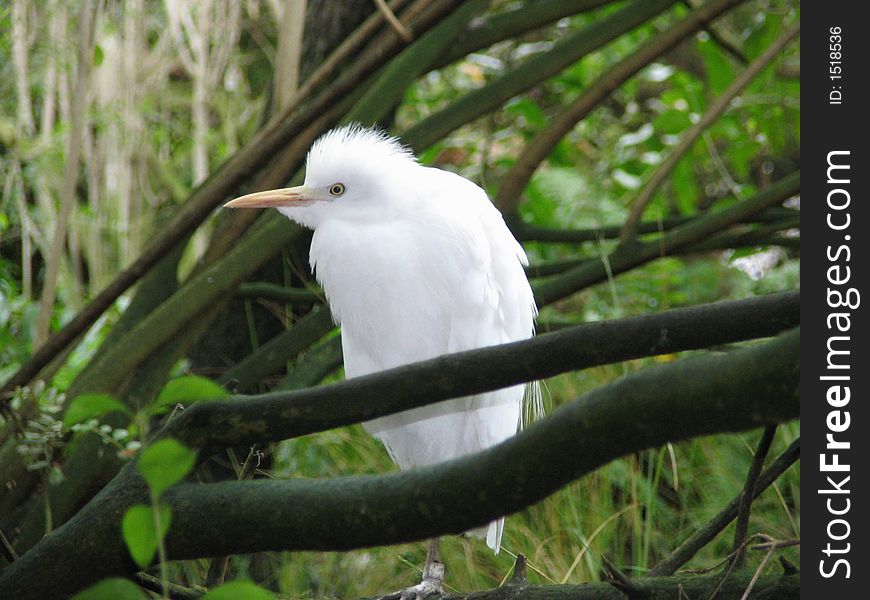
(430, 588)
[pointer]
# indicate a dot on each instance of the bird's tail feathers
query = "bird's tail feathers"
(533, 403)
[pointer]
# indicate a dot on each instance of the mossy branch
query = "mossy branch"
(281, 415)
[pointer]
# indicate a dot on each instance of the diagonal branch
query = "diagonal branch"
(661, 173)
(515, 22)
(748, 494)
(628, 256)
(393, 21)
(531, 72)
(511, 188)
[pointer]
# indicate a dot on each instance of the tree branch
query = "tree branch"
(628, 256)
(512, 186)
(715, 110)
(513, 23)
(526, 232)
(748, 495)
(531, 72)
(280, 415)
(762, 236)
(280, 293)
(274, 354)
(700, 396)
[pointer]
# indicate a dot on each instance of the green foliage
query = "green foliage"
(141, 532)
(238, 589)
(91, 406)
(187, 390)
(164, 463)
(114, 588)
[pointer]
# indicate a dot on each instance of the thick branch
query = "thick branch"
(701, 396)
(513, 23)
(281, 415)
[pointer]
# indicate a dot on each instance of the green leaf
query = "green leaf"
(92, 406)
(720, 72)
(672, 121)
(685, 187)
(764, 33)
(188, 389)
(529, 110)
(112, 589)
(55, 476)
(140, 533)
(99, 55)
(165, 463)
(239, 589)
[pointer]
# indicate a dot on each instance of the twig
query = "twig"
(776, 544)
(175, 591)
(757, 573)
(217, 570)
(620, 580)
(8, 549)
(748, 495)
(394, 21)
(726, 45)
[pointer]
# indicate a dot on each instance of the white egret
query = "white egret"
(415, 262)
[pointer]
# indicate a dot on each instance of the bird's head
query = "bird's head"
(352, 173)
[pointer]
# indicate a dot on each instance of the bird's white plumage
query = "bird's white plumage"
(416, 262)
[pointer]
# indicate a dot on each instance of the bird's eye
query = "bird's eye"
(336, 189)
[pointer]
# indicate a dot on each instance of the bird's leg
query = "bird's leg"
(433, 574)
(433, 568)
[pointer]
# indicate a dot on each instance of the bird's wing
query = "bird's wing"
(499, 306)
(484, 299)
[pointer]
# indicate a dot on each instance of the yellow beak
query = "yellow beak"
(294, 196)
